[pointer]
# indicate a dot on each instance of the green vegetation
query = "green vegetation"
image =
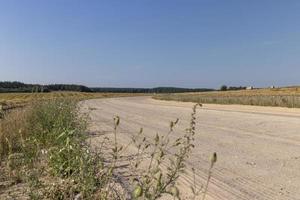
(44, 152)
(226, 88)
(223, 88)
(283, 97)
(151, 90)
(153, 181)
(43, 146)
(22, 87)
(6, 87)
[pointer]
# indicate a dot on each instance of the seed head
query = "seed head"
(117, 120)
(174, 191)
(213, 159)
(137, 192)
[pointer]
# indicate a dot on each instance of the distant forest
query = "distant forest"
(22, 87)
(150, 90)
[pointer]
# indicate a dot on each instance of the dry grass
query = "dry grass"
(283, 97)
(11, 131)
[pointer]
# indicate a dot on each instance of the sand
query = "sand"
(258, 147)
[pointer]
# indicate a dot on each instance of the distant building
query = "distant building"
(249, 88)
(272, 87)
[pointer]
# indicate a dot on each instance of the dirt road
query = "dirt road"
(258, 147)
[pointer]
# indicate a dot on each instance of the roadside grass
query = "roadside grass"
(279, 97)
(44, 148)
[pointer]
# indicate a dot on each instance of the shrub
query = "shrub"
(223, 88)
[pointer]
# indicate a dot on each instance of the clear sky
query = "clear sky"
(148, 43)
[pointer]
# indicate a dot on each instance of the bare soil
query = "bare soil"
(258, 147)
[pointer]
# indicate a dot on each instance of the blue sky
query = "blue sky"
(148, 43)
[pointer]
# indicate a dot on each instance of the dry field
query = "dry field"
(283, 97)
(12, 100)
(258, 147)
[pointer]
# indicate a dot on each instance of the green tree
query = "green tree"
(223, 88)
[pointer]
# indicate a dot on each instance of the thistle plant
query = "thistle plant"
(213, 160)
(156, 180)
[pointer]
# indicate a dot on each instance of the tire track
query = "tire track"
(136, 114)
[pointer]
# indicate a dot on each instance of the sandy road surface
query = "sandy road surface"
(258, 147)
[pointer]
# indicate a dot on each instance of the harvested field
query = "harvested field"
(280, 97)
(13, 100)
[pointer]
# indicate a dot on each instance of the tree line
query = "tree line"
(150, 90)
(15, 86)
(226, 88)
